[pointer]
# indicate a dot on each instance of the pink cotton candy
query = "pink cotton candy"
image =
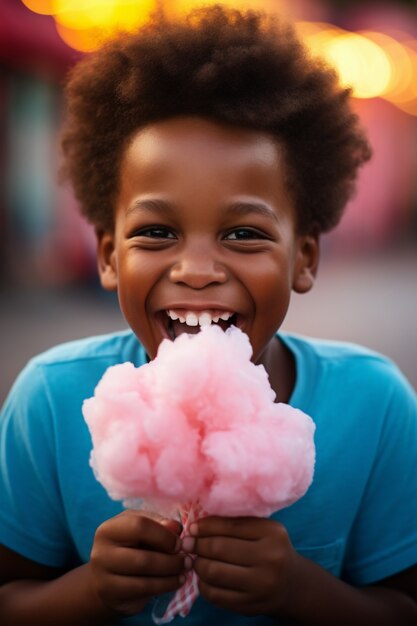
(199, 423)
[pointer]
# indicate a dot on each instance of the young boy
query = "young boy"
(210, 154)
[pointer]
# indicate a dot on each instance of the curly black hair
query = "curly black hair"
(246, 69)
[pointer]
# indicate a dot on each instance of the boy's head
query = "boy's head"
(209, 154)
(243, 69)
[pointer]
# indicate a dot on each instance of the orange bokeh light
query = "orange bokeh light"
(44, 7)
(372, 63)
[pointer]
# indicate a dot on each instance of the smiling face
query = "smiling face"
(205, 230)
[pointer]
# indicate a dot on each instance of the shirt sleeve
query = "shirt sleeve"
(383, 539)
(32, 519)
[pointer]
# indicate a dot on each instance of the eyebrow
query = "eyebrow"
(247, 208)
(153, 206)
(241, 208)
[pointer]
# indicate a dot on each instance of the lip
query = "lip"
(198, 306)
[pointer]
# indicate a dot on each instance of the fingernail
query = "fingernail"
(188, 544)
(194, 530)
(188, 563)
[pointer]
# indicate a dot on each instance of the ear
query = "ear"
(306, 263)
(106, 260)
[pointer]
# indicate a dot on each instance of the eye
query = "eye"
(240, 234)
(155, 232)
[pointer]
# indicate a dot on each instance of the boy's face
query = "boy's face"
(204, 227)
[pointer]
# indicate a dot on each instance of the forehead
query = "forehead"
(201, 137)
(183, 156)
(203, 143)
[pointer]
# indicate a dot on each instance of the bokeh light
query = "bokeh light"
(373, 64)
(48, 261)
(85, 24)
(43, 7)
(184, 6)
(361, 64)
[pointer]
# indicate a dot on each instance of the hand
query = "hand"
(246, 564)
(135, 557)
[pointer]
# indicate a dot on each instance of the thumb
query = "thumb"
(173, 525)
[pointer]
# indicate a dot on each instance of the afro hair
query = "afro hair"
(245, 69)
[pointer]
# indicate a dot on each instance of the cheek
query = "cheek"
(272, 306)
(270, 283)
(135, 280)
(139, 278)
(271, 292)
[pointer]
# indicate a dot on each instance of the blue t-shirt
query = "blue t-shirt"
(358, 520)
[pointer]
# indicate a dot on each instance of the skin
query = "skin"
(203, 220)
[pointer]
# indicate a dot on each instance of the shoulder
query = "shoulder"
(338, 357)
(334, 373)
(331, 350)
(89, 348)
(59, 375)
(83, 356)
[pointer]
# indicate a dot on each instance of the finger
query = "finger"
(248, 528)
(147, 585)
(173, 525)
(136, 562)
(125, 591)
(132, 528)
(227, 550)
(133, 562)
(228, 599)
(223, 575)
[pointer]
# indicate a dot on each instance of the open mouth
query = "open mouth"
(179, 321)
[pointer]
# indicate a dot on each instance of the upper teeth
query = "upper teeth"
(202, 318)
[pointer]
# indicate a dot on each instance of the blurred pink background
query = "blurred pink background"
(367, 285)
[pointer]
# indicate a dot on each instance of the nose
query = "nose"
(197, 268)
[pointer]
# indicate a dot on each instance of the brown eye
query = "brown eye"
(155, 232)
(244, 233)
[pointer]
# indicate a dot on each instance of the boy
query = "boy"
(210, 154)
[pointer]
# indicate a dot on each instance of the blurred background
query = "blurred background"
(366, 290)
